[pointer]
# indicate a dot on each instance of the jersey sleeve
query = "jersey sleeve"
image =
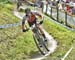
(24, 19)
(36, 13)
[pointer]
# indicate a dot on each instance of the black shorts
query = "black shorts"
(31, 23)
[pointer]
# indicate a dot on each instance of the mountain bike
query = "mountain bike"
(39, 40)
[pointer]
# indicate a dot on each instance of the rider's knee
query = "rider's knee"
(39, 26)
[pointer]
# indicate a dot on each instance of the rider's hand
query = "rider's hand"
(24, 30)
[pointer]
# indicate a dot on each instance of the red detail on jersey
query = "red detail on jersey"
(31, 18)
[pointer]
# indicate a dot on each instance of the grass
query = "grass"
(6, 14)
(3, 0)
(16, 45)
(72, 55)
(63, 36)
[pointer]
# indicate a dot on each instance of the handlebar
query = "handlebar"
(38, 22)
(33, 26)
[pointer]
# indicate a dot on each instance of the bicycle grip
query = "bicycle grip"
(41, 22)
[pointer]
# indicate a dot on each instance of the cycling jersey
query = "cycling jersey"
(30, 18)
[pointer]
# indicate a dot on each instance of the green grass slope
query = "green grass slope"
(16, 45)
(64, 37)
(6, 14)
(71, 56)
(3, 0)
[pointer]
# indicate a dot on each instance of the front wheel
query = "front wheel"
(40, 41)
(37, 44)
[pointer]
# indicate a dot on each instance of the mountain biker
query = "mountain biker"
(19, 3)
(31, 19)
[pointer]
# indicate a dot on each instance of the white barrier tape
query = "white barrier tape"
(10, 25)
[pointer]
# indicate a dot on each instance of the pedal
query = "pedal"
(40, 45)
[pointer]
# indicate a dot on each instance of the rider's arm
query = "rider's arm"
(41, 16)
(38, 14)
(23, 23)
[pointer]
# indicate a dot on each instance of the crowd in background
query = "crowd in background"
(67, 5)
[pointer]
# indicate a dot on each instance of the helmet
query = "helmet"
(27, 10)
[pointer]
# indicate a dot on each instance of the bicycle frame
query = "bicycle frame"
(38, 38)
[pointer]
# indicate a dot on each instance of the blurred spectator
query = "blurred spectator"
(38, 3)
(66, 1)
(73, 10)
(19, 3)
(48, 2)
(68, 9)
(60, 6)
(53, 2)
(33, 1)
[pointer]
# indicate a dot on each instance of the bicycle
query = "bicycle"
(39, 40)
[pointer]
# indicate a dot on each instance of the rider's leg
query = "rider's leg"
(24, 27)
(19, 3)
(40, 28)
(33, 31)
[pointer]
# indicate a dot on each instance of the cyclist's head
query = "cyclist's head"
(27, 11)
